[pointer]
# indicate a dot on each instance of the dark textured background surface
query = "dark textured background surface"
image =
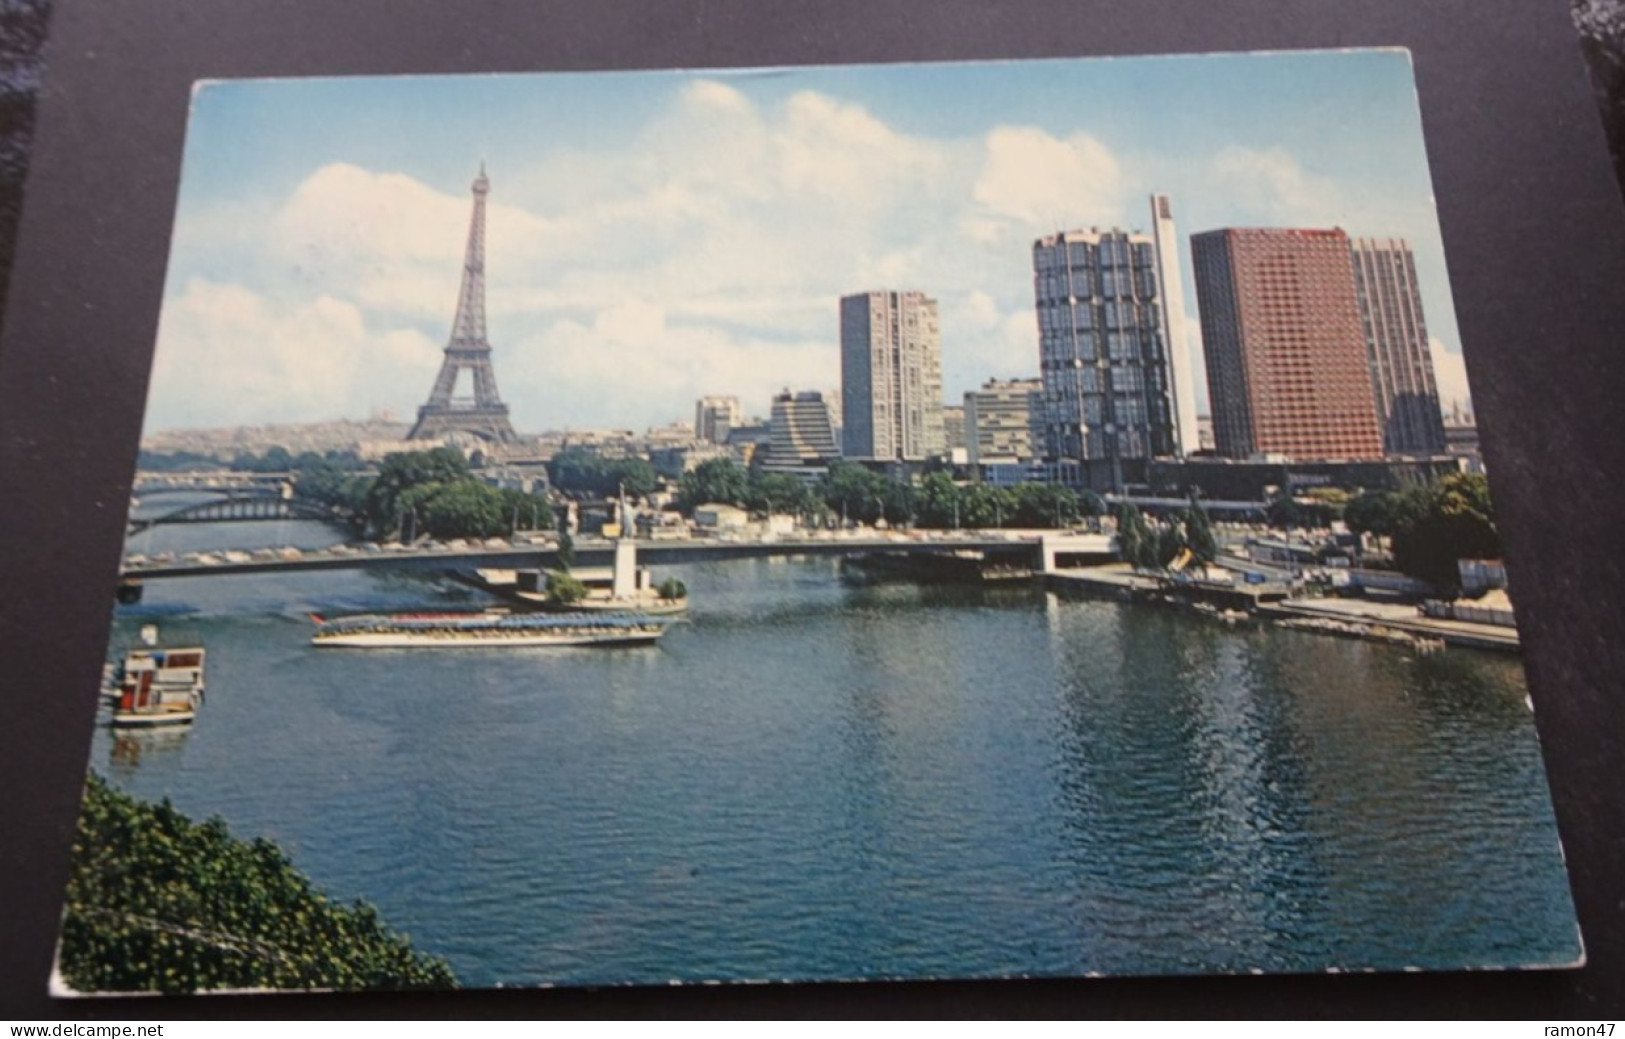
(1536, 241)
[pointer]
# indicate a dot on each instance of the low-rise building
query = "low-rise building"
(715, 516)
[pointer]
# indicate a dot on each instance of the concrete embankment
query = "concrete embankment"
(1349, 618)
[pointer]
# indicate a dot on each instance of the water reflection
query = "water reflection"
(812, 780)
(128, 750)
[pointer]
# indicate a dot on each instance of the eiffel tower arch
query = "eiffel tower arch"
(484, 415)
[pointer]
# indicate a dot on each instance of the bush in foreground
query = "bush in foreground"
(157, 902)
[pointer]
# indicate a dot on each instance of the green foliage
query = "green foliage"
(715, 481)
(897, 502)
(1042, 505)
(1283, 512)
(1091, 504)
(779, 493)
(564, 589)
(984, 505)
(336, 484)
(940, 503)
(463, 510)
(1169, 540)
(159, 903)
(1457, 522)
(1431, 527)
(1384, 513)
(402, 472)
(938, 500)
(1136, 542)
(1199, 536)
(853, 491)
(567, 543)
(584, 471)
(672, 589)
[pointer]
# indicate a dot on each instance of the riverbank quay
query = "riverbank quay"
(1120, 581)
(1370, 617)
(1376, 620)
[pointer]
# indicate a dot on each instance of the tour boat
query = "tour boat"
(157, 686)
(399, 630)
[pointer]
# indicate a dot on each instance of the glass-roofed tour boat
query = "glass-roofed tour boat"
(492, 628)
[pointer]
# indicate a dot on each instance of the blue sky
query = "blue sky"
(658, 236)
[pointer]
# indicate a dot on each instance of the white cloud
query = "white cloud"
(1450, 374)
(1273, 183)
(703, 255)
(841, 151)
(628, 369)
(227, 355)
(392, 243)
(1031, 179)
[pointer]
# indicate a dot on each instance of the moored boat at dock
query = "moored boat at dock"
(401, 630)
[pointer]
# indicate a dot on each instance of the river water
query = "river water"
(812, 780)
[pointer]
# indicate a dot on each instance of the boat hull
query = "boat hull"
(410, 640)
(153, 719)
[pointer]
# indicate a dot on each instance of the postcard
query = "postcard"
(971, 520)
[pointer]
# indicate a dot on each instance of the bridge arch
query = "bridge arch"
(239, 508)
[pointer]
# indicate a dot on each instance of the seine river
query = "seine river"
(812, 780)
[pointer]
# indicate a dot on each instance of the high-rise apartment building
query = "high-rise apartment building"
(1396, 341)
(1004, 422)
(1187, 440)
(714, 417)
(1108, 395)
(953, 428)
(1286, 355)
(891, 376)
(801, 433)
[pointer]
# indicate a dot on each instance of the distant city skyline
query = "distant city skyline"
(659, 237)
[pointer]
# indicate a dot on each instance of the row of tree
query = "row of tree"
(1430, 528)
(855, 493)
(577, 470)
(1149, 545)
(422, 493)
(157, 902)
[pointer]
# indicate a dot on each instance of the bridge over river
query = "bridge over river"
(1038, 550)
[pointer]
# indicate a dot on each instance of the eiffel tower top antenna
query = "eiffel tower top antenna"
(485, 416)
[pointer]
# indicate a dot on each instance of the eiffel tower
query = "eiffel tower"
(485, 415)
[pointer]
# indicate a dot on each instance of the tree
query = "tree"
(567, 543)
(563, 589)
(777, 492)
(716, 480)
(400, 473)
(635, 476)
(459, 510)
(983, 505)
(897, 502)
(853, 491)
(583, 471)
(1199, 535)
(1283, 513)
(938, 500)
(671, 589)
(156, 902)
(1135, 541)
(1041, 505)
(1167, 541)
(1457, 522)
